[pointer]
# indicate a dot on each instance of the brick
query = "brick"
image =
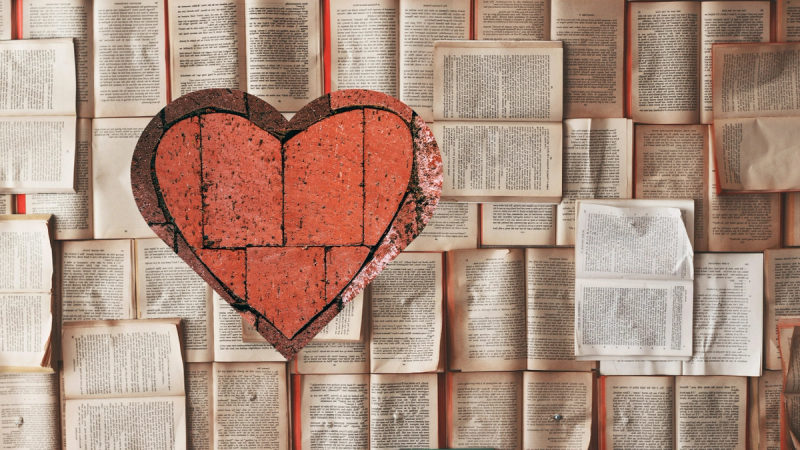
(323, 183)
(228, 266)
(341, 265)
(178, 171)
(286, 285)
(243, 184)
(388, 159)
(362, 97)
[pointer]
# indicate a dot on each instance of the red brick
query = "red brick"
(178, 171)
(324, 176)
(243, 184)
(286, 285)
(228, 266)
(362, 97)
(341, 265)
(388, 159)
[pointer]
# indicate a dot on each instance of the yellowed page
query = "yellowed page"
(640, 413)
(423, 22)
(728, 315)
(598, 162)
(200, 406)
(167, 287)
(781, 279)
(505, 20)
(739, 21)
(472, 423)
(251, 406)
(29, 405)
(206, 45)
(518, 224)
(116, 215)
(488, 319)
(711, 412)
(791, 227)
(742, 223)
(403, 411)
(671, 162)
(67, 19)
(770, 384)
(665, 55)
(334, 412)
(142, 422)
(788, 18)
(407, 317)
(130, 67)
(550, 274)
(228, 344)
(5, 19)
(72, 213)
(593, 32)
(364, 50)
(284, 57)
(453, 226)
(500, 161)
(557, 410)
(6, 204)
(125, 358)
(97, 280)
(481, 80)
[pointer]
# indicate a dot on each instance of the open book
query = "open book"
(497, 108)
(756, 115)
(124, 384)
(670, 54)
(26, 294)
(37, 116)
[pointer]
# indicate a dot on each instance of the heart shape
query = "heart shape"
(287, 220)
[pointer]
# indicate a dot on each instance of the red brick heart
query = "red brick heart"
(287, 220)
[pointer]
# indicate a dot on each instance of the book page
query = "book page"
(364, 47)
(470, 423)
(116, 215)
(741, 223)
(517, 224)
(251, 406)
(130, 73)
(5, 19)
(27, 263)
(728, 315)
(711, 412)
(228, 344)
(665, 60)
(497, 162)
(671, 162)
(782, 279)
(149, 422)
(30, 410)
(72, 213)
(130, 358)
(39, 77)
(598, 159)
(407, 314)
(26, 324)
(332, 358)
(97, 280)
(486, 310)
(167, 287)
(728, 22)
(639, 412)
(504, 20)
(593, 32)
(557, 410)
(39, 155)
(334, 412)
(200, 406)
(284, 60)
(404, 411)
(423, 22)
(481, 80)
(791, 227)
(641, 367)
(66, 19)
(454, 226)
(206, 45)
(770, 384)
(758, 154)
(550, 288)
(788, 18)
(6, 204)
